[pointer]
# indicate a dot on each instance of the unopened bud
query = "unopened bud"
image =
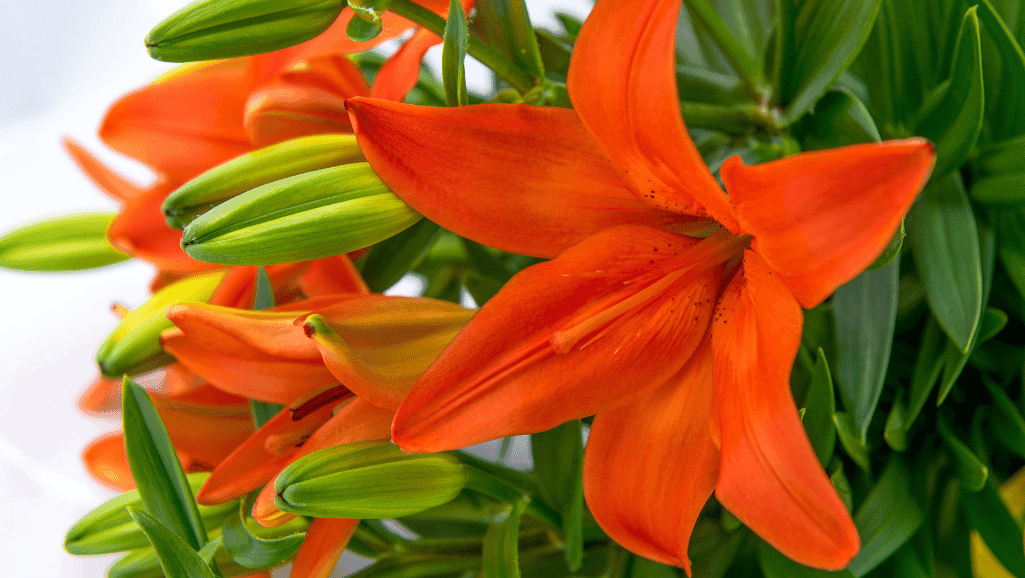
(69, 243)
(257, 168)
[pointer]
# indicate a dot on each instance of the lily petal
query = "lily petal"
(106, 461)
(398, 74)
(332, 275)
(632, 500)
(564, 190)
(820, 218)
(265, 453)
(326, 539)
(184, 124)
(102, 397)
(635, 113)
(205, 424)
(378, 346)
(604, 326)
(769, 476)
(356, 421)
(112, 183)
(252, 333)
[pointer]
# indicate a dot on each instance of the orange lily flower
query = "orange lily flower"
(670, 309)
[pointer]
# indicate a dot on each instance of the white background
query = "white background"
(63, 62)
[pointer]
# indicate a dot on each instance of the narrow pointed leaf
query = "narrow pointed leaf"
(955, 119)
(928, 365)
(820, 404)
(1011, 229)
(507, 27)
(248, 171)
(945, 244)
(264, 547)
(210, 29)
(970, 469)
(851, 438)
(309, 216)
(1007, 120)
(558, 462)
(453, 55)
(993, 321)
(776, 565)
(886, 519)
(839, 119)
(392, 258)
(1007, 423)
(865, 311)
(69, 243)
(500, 558)
(177, 558)
(163, 487)
(263, 299)
(895, 431)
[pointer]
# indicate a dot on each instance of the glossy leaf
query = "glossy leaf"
(829, 34)
(970, 469)
(500, 558)
(392, 258)
(210, 29)
(954, 120)
(988, 514)
(69, 243)
(453, 55)
(820, 405)
(507, 27)
(945, 244)
(776, 565)
(251, 546)
(309, 216)
(865, 311)
(177, 558)
(163, 487)
(558, 462)
(886, 519)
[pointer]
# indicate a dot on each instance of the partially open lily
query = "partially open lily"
(670, 309)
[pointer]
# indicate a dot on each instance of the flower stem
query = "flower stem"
(749, 70)
(502, 491)
(488, 56)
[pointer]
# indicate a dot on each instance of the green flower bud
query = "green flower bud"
(68, 243)
(109, 528)
(308, 216)
(210, 29)
(260, 167)
(368, 480)
(134, 345)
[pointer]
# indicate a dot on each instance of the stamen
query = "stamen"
(316, 400)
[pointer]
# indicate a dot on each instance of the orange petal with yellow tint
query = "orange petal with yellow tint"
(634, 113)
(592, 330)
(326, 539)
(399, 74)
(261, 377)
(106, 461)
(265, 453)
(102, 397)
(184, 124)
(564, 190)
(378, 346)
(356, 421)
(252, 333)
(112, 183)
(769, 476)
(332, 275)
(205, 424)
(650, 466)
(820, 218)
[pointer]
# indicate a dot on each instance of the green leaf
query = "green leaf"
(1011, 230)
(453, 55)
(137, 564)
(891, 251)
(945, 244)
(1007, 120)
(841, 484)
(309, 216)
(821, 405)
(852, 439)
(365, 25)
(389, 260)
(68, 243)
(1003, 192)
(481, 288)
(895, 431)
(993, 321)
(558, 462)
(163, 487)
(264, 299)
(109, 528)
(1007, 423)
(987, 513)
(887, 517)
(212, 29)
(776, 565)
(865, 309)
(830, 34)
(507, 27)
(253, 546)
(177, 558)
(500, 558)
(1001, 158)
(928, 365)
(954, 114)
(970, 469)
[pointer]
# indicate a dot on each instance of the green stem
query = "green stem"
(749, 70)
(738, 119)
(502, 491)
(503, 67)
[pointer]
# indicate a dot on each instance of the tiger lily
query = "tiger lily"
(670, 309)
